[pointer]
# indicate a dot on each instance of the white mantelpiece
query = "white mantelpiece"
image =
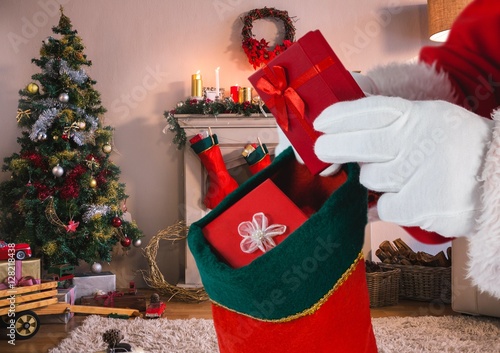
(233, 132)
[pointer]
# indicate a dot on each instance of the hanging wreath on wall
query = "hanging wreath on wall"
(258, 51)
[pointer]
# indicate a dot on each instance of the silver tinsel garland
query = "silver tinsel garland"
(45, 120)
(94, 210)
(83, 137)
(77, 76)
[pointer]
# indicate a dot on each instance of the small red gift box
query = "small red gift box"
(298, 85)
(240, 234)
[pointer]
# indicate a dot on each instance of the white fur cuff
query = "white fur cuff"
(484, 245)
(413, 81)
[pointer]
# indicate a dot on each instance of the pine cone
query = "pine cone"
(112, 337)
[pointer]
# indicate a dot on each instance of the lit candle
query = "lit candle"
(217, 82)
(235, 93)
(196, 85)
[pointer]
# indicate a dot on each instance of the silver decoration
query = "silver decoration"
(79, 138)
(77, 76)
(96, 267)
(94, 210)
(63, 97)
(45, 120)
(50, 103)
(58, 171)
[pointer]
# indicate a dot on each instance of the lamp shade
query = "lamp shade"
(441, 15)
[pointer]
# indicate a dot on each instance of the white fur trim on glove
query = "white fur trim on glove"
(413, 81)
(484, 243)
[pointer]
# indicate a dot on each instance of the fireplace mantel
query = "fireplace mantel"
(233, 132)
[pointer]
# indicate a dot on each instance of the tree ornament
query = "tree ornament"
(32, 88)
(72, 226)
(180, 104)
(82, 125)
(65, 137)
(137, 243)
(96, 267)
(58, 171)
(55, 137)
(257, 50)
(23, 114)
(42, 136)
(107, 148)
(93, 183)
(64, 97)
(116, 222)
(126, 242)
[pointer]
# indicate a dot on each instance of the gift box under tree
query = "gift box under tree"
(89, 283)
(26, 273)
(64, 295)
(116, 299)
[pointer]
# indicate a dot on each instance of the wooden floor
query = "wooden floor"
(49, 335)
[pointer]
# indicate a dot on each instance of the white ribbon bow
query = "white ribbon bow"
(258, 235)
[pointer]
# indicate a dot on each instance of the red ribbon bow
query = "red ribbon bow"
(275, 84)
(109, 299)
(284, 95)
(19, 282)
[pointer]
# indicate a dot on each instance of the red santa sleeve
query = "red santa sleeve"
(471, 57)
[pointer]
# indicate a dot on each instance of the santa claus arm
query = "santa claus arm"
(484, 243)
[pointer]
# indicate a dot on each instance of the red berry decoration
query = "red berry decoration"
(126, 242)
(116, 222)
(65, 137)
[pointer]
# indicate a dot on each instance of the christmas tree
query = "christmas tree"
(64, 197)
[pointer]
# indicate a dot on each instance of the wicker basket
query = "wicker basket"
(383, 287)
(424, 283)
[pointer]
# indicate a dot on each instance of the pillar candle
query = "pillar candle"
(245, 94)
(234, 93)
(217, 87)
(196, 85)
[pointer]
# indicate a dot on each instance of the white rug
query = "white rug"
(426, 334)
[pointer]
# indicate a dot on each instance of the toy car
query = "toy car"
(63, 274)
(155, 310)
(18, 251)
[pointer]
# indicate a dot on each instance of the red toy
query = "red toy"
(16, 251)
(155, 308)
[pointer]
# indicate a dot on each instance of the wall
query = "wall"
(144, 53)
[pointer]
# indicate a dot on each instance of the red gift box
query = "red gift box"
(298, 85)
(223, 233)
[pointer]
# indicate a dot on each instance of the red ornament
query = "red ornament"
(116, 222)
(65, 137)
(126, 242)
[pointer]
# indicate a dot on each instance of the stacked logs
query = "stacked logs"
(399, 253)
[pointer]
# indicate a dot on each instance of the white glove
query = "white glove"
(425, 155)
(367, 86)
(284, 143)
